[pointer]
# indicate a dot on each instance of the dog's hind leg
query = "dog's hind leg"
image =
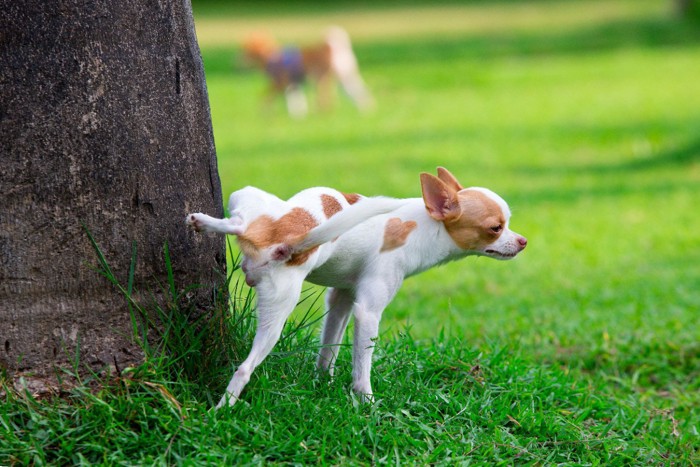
(339, 304)
(277, 296)
(202, 222)
(325, 89)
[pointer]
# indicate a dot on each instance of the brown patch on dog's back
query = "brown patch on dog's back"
(351, 198)
(472, 229)
(317, 60)
(396, 232)
(266, 231)
(330, 205)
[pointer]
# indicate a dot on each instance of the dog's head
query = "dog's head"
(475, 218)
(259, 47)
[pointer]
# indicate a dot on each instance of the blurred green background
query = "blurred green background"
(583, 115)
(585, 350)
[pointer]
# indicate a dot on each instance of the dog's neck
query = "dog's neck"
(430, 244)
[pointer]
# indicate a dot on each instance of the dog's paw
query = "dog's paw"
(362, 399)
(228, 400)
(196, 221)
(363, 391)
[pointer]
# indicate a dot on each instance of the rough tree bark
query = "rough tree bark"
(104, 121)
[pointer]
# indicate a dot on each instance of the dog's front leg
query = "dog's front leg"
(371, 300)
(277, 296)
(296, 101)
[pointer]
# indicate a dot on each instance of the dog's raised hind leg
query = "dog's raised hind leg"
(277, 296)
(203, 223)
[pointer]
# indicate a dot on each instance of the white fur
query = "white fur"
(362, 279)
(344, 64)
(297, 106)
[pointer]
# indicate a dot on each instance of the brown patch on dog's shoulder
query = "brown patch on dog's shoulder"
(330, 205)
(352, 198)
(317, 59)
(266, 231)
(396, 232)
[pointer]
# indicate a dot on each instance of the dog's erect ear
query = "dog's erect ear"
(449, 179)
(440, 198)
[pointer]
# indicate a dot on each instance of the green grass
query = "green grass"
(583, 351)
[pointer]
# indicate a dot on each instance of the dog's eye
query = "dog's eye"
(496, 228)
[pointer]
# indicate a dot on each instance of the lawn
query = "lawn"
(585, 350)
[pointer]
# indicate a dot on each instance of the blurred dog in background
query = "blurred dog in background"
(321, 64)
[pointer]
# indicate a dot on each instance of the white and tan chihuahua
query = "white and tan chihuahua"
(362, 248)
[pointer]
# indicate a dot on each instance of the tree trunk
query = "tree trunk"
(104, 121)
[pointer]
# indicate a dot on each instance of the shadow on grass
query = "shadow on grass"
(649, 33)
(256, 8)
(645, 33)
(616, 179)
(611, 191)
(686, 154)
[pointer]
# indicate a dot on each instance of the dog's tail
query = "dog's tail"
(345, 220)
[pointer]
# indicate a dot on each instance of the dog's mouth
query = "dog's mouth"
(500, 255)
